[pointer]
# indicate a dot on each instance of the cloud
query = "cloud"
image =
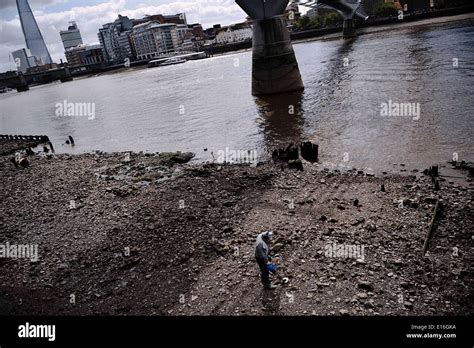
(206, 12)
(4, 4)
(91, 18)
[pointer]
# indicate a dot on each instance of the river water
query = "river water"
(207, 104)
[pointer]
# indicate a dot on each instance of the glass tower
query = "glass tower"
(34, 39)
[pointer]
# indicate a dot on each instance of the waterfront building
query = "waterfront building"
(72, 56)
(184, 32)
(115, 40)
(198, 31)
(33, 37)
(93, 54)
(186, 37)
(233, 33)
(23, 59)
(153, 39)
(71, 37)
(147, 37)
(179, 18)
(42, 68)
(84, 55)
(187, 45)
(210, 33)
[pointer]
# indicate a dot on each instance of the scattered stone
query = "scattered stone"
(398, 262)
(227, 229)
(277, 247)
(23, 162)
(358, 221)
(369, 304)
(13, 160)
(371, 227)
(161, 236)
(365, 285)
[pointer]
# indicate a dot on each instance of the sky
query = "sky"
(54, 15)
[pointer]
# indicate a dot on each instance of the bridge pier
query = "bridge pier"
(23, 88)
(67, 75)
(22, 85)
(348, 29)
(274, 66)
(348, 9)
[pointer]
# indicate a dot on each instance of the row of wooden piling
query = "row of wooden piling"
(41, 138)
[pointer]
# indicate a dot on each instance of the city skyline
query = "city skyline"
(53, 16)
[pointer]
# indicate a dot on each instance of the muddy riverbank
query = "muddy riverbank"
(125, 234)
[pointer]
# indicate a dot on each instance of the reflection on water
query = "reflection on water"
(208, 104)
(281, 118)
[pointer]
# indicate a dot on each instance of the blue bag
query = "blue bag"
(271, 267)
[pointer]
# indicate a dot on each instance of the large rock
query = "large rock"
(176, 157)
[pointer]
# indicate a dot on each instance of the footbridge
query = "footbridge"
(349, 9)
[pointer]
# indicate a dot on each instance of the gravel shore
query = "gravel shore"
(145, 234)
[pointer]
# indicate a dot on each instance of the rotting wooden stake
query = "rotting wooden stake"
(431, 228)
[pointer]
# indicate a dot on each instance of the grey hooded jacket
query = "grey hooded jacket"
(261, 248)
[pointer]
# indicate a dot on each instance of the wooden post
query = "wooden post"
(431, 228)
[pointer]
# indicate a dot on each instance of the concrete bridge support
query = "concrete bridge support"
(22, 84)
(348, 29)
(67, 75)
(274, 66)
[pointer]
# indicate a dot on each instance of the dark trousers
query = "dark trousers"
(264, 274)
